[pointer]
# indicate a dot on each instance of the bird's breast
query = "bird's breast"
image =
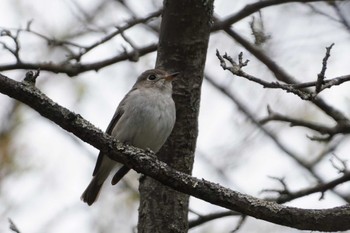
(147, 121)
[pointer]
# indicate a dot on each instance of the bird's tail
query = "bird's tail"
(91, 192)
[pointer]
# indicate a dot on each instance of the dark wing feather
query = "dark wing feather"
(117, 115)
(110, 127)
(120, 174)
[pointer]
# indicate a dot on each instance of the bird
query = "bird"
(144, 118)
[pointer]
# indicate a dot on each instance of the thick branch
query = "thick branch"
(334, 219)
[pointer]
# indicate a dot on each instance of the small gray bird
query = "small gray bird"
(144, 119)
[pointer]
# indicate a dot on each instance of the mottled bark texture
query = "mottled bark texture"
(183, 43)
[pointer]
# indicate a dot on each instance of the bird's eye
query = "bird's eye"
(152, 77)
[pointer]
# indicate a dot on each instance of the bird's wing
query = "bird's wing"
(117, 115)
(110, 127)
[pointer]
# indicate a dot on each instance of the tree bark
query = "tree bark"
(183, 43)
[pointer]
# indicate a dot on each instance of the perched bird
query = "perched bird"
(144, 119)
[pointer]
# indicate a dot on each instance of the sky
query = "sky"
(54, 167)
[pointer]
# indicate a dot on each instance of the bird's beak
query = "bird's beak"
(170, 77)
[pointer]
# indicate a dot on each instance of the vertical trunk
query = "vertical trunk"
(183, 42)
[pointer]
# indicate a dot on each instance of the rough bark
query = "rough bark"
(183, 42)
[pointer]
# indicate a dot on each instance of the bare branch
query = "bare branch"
(283, 191)
(321, 76)
(282, 75)
(136, 56)
(210, 217)
(69, 67)
(333, 219)
(72, 69)
(14, 37)
(326, 83)
(236, 69)
(253, 8)
(341, 16)
(13, 226)
(240, 223)
(308, 167)
(330, 131)
(253, 119)
(322, 138)
(286, 195)
(320, 84)
(332, 146)
(273, 116)
(120, 29)
(339, 164)
(335, 81)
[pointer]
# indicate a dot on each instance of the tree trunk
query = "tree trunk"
(183, 43)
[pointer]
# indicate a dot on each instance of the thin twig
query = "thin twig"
(120, 29)
(332, 146)
(339, 164)
(135, 56)
(321, 76)
(322, 188)
(13, 226)
(239, 224)
(201, 219)
(274, 116)
(14, 37)
(236, 69)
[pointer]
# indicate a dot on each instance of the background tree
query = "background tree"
(233, 151)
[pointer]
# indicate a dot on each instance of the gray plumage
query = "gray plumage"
(144, 119)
